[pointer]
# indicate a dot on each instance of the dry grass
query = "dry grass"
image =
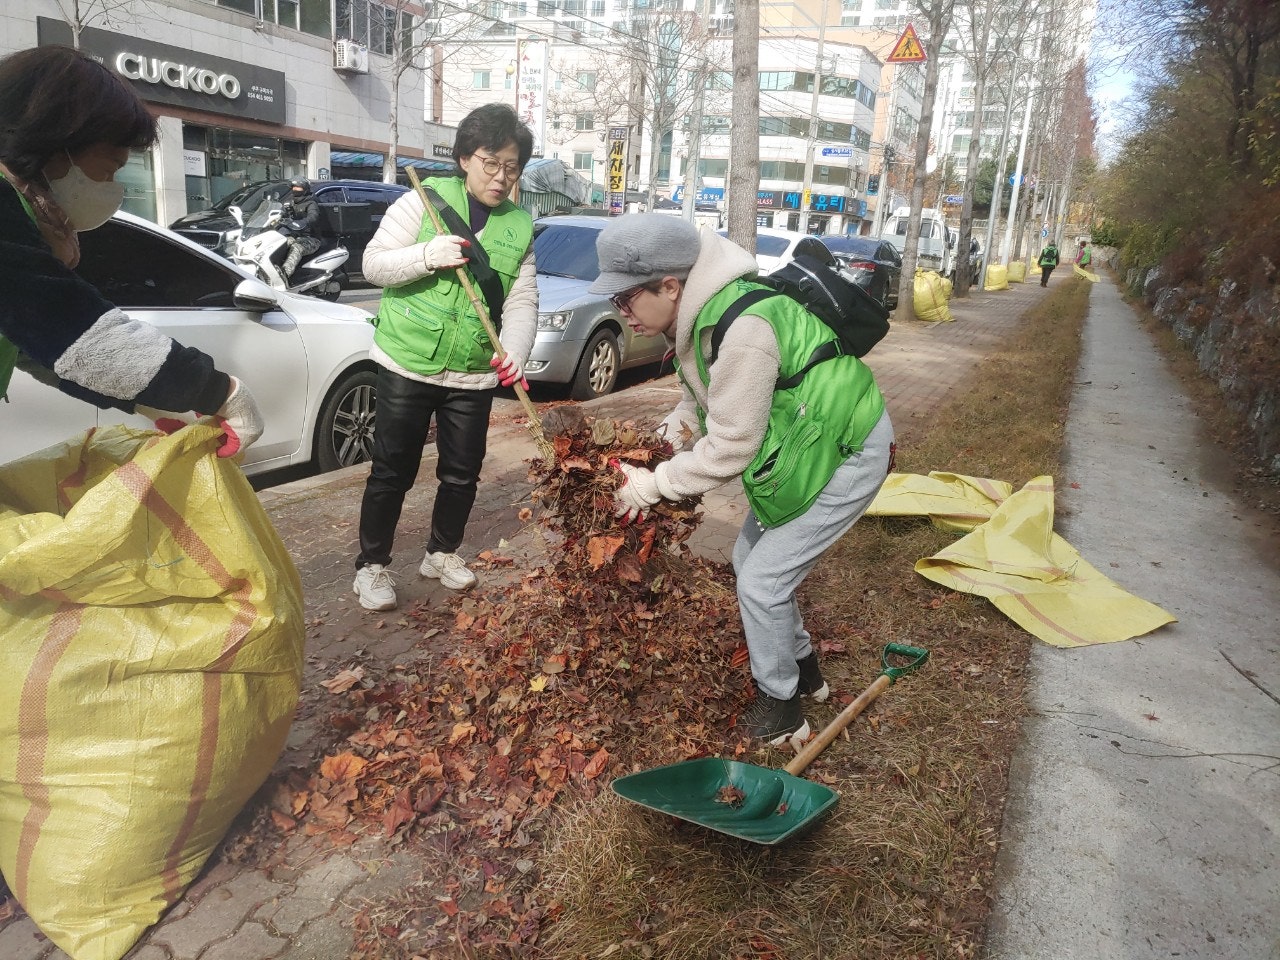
(903, 866)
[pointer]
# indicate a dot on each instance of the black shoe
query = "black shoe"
(811, 682)
(774, 720)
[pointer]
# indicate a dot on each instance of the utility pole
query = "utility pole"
(812, 143)
(1017, 176)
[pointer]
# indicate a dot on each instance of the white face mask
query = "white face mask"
(88, 203)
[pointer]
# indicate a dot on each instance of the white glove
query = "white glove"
(509, 370)
(241, 420)
(679, 431)
(444, 250)
(639, 492)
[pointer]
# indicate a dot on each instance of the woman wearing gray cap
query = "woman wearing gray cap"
(811, 455)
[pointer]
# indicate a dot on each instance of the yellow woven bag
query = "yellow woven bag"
(150, 666)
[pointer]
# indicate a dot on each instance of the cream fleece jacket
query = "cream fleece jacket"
(738, 398)
(395, 257)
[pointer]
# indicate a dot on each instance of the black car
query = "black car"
(350, 212)
(874, 264)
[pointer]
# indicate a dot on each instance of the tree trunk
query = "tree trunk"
(939, 20)
(744, 134)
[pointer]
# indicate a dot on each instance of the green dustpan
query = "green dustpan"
(753, 803)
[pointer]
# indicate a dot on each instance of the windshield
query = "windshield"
(250, 196)
(566, 251)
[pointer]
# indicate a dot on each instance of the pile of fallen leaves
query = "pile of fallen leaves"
(624, 652)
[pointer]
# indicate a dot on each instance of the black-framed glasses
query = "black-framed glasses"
(622, 301)
(493, 166)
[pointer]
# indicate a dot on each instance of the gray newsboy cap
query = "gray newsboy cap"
(640, 247)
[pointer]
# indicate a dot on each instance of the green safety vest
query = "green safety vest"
(428, 325)
(814, 426)
(9, 350)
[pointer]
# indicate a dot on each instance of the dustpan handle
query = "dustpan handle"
(832, 730)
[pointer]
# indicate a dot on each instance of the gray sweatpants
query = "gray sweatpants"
(772, 563)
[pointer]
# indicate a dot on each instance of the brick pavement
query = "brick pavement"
(294, 905)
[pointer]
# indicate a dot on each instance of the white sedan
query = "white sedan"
(776, 247)
(306, 361)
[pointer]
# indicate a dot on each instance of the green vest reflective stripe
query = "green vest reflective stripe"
(8, 350)
(428, 325)
(813, 427)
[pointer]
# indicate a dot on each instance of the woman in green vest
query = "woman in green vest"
(812, 456)
(434, 359)
(67, 126)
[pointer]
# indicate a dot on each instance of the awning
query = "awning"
(350, 158)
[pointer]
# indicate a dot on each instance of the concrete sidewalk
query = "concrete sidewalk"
(295, 903)
(1144, 811)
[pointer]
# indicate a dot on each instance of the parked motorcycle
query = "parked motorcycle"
(264, 245)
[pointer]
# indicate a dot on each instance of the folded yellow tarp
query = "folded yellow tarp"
(1014, 559)
(149, 670)
(1082, 272)
(930, 297)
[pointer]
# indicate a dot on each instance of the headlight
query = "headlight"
(553, 321)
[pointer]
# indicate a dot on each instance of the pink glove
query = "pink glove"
(509, 370)
(241, 420)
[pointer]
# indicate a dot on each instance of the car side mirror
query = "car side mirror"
(256, 296)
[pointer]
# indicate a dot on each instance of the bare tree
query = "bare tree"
(744, 134)
(415, 31)
(937, 19)
(110, 13)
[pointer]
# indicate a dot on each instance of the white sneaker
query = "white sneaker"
(375, 588)
(449, 569)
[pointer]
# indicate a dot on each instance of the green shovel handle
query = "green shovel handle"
(919, 655)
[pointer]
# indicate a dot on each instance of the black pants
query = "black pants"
(1044, 275)
(404, 412)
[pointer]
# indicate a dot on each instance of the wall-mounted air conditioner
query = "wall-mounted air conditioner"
(350, 57)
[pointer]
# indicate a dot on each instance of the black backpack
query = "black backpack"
(857, 320)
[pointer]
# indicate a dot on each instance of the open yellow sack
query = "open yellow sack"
(930, 297)
(1017, 272)
(1012, 556)
(1080, 271)
(997, 277)
(151, 658)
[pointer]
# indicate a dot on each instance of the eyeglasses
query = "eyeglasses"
(622, 301)
(492, 166)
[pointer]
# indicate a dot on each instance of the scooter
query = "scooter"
(264, 245)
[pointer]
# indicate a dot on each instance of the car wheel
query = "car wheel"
(344, 432)
(598, 369)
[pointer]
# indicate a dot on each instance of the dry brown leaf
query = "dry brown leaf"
(344, 680)
(600, 550)
(595, 766)
(344, 766)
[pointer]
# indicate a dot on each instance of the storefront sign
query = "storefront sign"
(704, 194)
(444, 150)
(617, 170)
(531, 89)
(186, 78)
(193, 163)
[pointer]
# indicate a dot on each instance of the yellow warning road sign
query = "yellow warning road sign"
(907, 49)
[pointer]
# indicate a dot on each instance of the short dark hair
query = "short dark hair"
(55, 99)
(492, 127)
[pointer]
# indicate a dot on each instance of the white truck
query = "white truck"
(937, 248)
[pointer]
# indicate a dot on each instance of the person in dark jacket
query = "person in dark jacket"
(302, 217)
(1048, 260)
(67, 125)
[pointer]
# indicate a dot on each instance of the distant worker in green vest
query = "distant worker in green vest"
(812, 455)
(1085, 256)
(435, 361)
(1048, 260)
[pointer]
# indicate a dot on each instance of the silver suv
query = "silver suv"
(581, 339)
